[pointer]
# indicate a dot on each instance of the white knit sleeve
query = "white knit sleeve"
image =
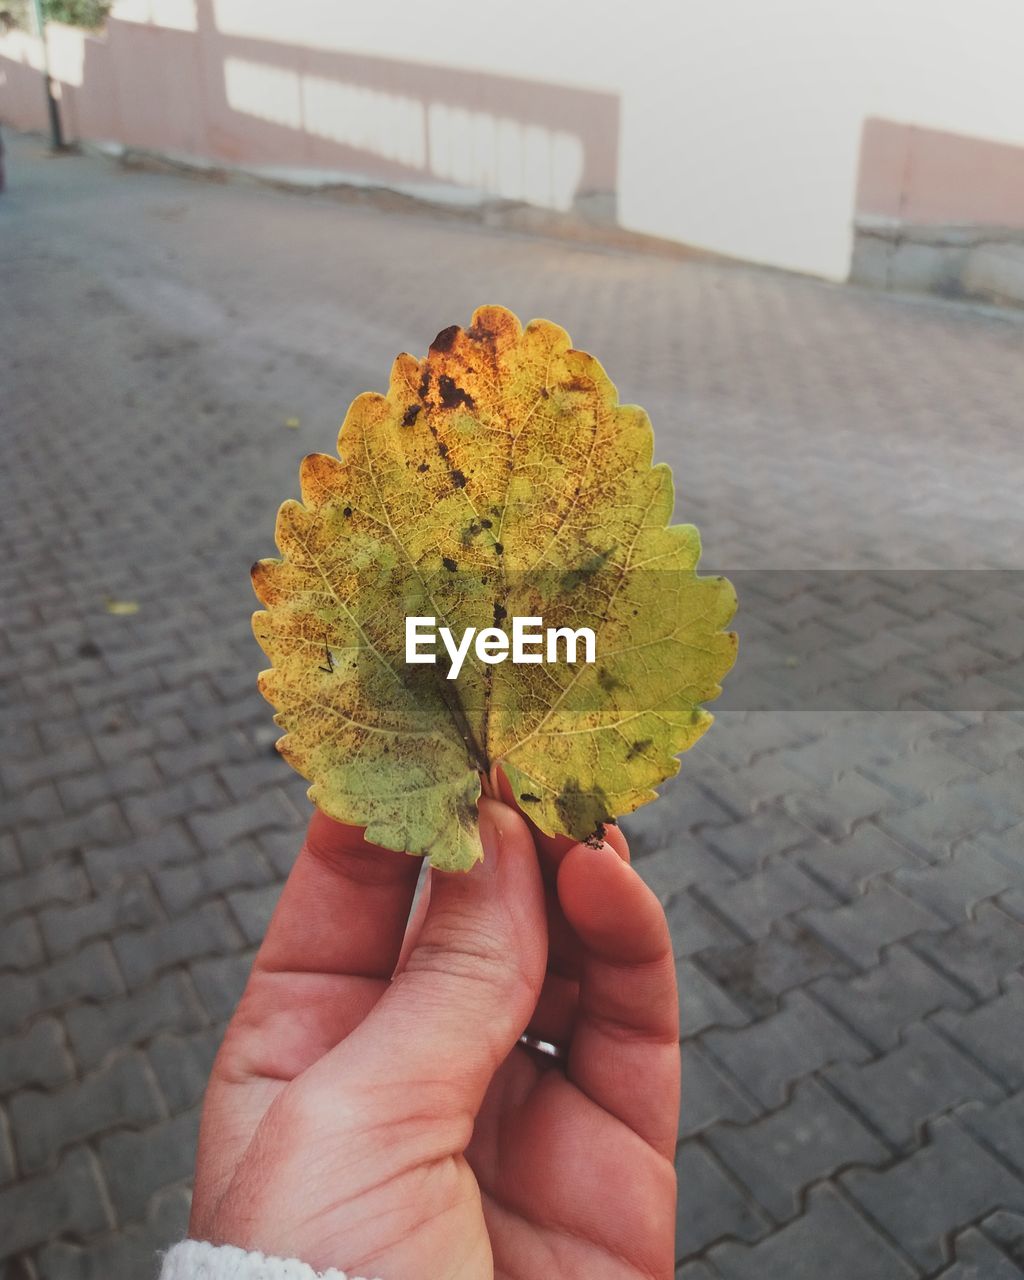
(193, 1260)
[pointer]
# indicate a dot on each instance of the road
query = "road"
(841, 858)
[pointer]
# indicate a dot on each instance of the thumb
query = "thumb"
(470, 983)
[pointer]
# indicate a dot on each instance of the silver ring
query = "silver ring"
(545, 1047)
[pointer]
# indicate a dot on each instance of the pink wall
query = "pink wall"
(248, 102)
(926, 177)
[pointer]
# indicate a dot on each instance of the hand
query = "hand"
(372, 1108)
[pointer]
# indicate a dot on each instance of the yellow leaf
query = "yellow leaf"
(499, 478)
(122, 608)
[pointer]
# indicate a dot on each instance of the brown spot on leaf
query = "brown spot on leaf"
(500, 613)
(449, 563)
(639, 747)
(424, 387)
(458, 479)
(499, 549)
(453, 395)
(581, 812)
(445, 339)
(529, 798)
(347, 512)
(585, 571)
(411, 414)
(442, 449)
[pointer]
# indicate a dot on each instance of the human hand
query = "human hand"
(372, 1107)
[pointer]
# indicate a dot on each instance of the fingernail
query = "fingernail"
(490, 837)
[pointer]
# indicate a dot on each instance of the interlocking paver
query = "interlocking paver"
(913, 1083)
(959, 810)
(987, 745)
(954, 887)
(835, 809)
(7, 1166)
(895, 994)
(756, 975)
(702, 1003)
(1007, 1230)
(809, 1138)
(108, 865)
(667, 871)
(220, 982)
(153, 810)
(239, 866)
(1000, 1127)
(68, 928)
(748, 845)
(977, 1258)
(993, 1033)
(831, 1239)
(36, 1058)
(208, 930)
(37, 1210)
(136, 1165)
(849, 864)
(102, 824)
(753, 905)
(651, 830)
(979, 953)
(83, 790)
(708, 1094)
(133, 1251)
(22, 774)
(695, 928)
(10, 862)
(790, 1044)
(91, 974)
(219, 827)
(694, 1271)
(859, 930)
(122, 1093)
(95, 1030)
(710, 1205)
(21, 944)
(182, 1065)
(945, 1185)
(148, 823)
(252, 908)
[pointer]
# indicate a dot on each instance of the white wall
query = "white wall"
(741, 119)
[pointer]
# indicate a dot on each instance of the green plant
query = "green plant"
(75, 13)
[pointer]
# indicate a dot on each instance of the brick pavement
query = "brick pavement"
(842, 858)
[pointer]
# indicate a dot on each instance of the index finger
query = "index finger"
(625, 1048)
(344, 907)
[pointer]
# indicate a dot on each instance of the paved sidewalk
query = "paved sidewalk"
(842, 858)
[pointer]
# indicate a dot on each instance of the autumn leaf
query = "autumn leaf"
(122, 608)
(498, 478)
